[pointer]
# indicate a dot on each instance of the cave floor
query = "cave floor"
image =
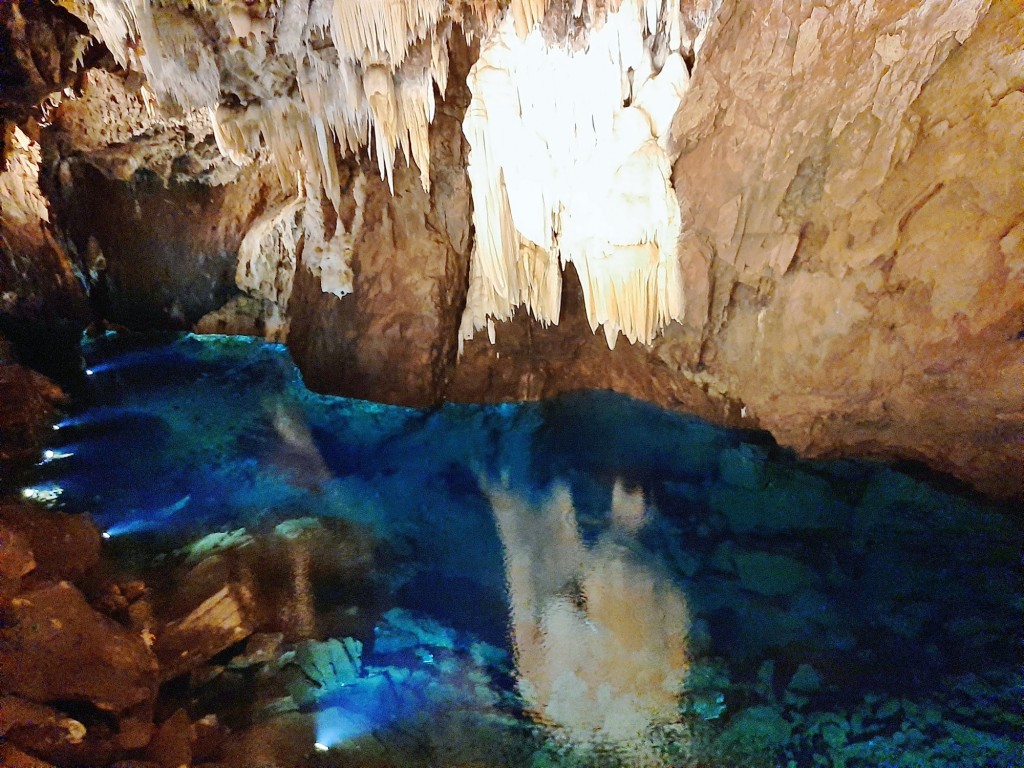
(588, 580)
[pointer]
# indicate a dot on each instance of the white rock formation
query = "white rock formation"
(272, 248)
(569, 129)
(296, 80)
(570, 163)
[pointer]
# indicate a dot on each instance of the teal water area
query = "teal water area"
(588, 580)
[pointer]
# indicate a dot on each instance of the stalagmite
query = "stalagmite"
(569, 162)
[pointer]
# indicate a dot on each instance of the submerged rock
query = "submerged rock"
(218, 622)
(325, 668)
(753, 738)
(772, 575)
(790, 499)
(805, 680)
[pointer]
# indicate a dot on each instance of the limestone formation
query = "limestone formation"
(803, 216)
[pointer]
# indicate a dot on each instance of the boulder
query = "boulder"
(772, 575)
(16, 558)
(226, 614)
(64, 546)
(12, 757)
(27, 400)
(171, 747)
(55, 647)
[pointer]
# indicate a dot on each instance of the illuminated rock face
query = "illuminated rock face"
(806, 216)
(569, 163)
(865, 213)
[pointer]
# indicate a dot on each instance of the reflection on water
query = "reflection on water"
(599, 634)
(505, 586)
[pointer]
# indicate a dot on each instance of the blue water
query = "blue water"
(587, 580)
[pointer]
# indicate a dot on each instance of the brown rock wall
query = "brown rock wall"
(893, 328)
(393, 338)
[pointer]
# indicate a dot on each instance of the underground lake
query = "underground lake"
(583, 581)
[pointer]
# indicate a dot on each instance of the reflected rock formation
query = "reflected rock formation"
(599, 634)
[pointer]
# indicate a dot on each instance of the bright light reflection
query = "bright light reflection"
(75, 421)
(335, 725)
(51, 455)
(42, 493)
(130, 526)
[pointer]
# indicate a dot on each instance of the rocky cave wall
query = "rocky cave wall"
(851, 188)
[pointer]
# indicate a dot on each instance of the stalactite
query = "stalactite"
(569, 135)
(569, 163)
(376, 82)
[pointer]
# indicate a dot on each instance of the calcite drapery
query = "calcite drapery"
(570, 163)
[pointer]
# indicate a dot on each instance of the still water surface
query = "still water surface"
(584, 581)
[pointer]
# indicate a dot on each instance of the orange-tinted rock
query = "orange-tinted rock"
(853, 252)
(864, 203)
(64, 546)
(215, 608)
(15, 711)
(55, 647)
(393, 339)
(134, 733)
(27, 401)
(43, 305)
(12, 757)
(171, 747)
(54, 736)
(16, 558)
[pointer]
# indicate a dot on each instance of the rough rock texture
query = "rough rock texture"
(394, 338)
(67, 671)
(27, 400)
(850, 181)
(160, 251)
(528, 362)
(42, 44)
(858, 174)
(160, 256)
(64, 546)
(43, 305)
(55, 647)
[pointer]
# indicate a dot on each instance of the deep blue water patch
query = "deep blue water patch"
(820, 595)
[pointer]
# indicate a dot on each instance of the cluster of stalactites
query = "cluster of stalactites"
(376, 82)
(570, 162)
(269, 254)
(298, 74)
